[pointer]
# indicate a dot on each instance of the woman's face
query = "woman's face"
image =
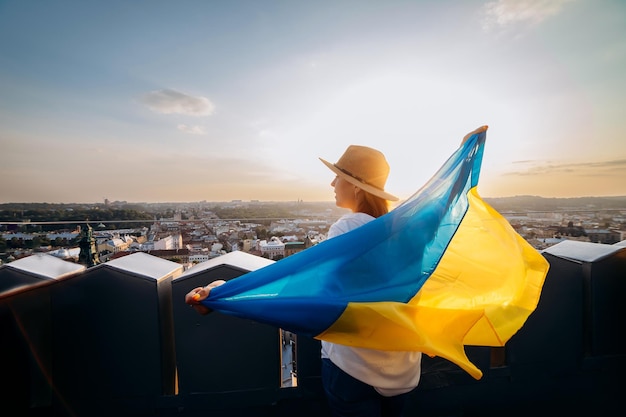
(345, 193)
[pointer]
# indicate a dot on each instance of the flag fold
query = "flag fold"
(440, 271)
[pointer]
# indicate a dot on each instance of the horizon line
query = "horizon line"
(283, 201)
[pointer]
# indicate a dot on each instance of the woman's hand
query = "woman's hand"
(198, 294)
(479, 130)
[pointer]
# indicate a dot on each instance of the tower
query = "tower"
(88, 255)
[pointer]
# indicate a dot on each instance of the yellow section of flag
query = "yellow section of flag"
(485, 286)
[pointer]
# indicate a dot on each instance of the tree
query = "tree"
(33, 243)
(261, 233)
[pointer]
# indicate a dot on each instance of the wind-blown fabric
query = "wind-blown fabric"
(440, 271)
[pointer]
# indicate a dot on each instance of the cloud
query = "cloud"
(174, 102)
(598, 168)
(192, 130)
(504, 14)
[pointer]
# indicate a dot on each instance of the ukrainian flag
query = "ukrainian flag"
(440, 271)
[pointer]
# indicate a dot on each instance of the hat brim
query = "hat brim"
(366, 187)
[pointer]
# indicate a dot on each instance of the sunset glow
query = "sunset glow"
(188, 101)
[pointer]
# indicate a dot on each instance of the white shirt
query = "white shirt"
(390, 373)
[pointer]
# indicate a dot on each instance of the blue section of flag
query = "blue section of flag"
(388, 259)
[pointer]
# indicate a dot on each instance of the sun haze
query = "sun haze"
(149, 101)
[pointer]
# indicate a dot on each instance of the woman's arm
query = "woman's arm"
(198, 294)
(480, 129)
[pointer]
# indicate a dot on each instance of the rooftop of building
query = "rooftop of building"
(117, 339)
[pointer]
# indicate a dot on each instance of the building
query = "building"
(116, 244)
(272, 249)
(603, 236)
(169, 242)
(297, 246)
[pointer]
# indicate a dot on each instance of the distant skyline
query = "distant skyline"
(161, 101)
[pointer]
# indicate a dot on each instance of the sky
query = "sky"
(183, 101)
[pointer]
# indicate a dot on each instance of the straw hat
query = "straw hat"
(364, 167)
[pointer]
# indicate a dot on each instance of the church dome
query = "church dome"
(63, 254)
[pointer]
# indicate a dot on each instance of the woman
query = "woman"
(358, 381)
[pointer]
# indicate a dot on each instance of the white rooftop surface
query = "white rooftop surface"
(71, 252)
(582, 251)
(146, 265)
(46, 266)
(239, 259)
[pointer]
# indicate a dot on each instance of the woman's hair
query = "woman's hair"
(370, 204)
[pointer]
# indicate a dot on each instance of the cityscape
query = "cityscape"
(151, 148)
(195, 232)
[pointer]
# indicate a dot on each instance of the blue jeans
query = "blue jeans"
(349, 397)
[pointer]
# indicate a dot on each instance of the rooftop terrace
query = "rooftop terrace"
(118, 339)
